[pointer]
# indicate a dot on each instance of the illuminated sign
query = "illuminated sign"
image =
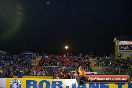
(125, 45)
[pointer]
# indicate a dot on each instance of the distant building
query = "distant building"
(123, 47)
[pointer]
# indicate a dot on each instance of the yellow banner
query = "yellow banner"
(58, 83)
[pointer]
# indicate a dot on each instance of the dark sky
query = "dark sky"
(47, 25)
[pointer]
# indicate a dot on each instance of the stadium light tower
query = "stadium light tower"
(66, 47)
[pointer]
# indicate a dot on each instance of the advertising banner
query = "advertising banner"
(56, 83)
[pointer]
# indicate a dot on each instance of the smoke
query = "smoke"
(11, 15)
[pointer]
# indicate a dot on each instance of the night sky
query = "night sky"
(48, 25)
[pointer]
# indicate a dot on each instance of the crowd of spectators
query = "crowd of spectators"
(13, 66)
(56, 65)
(61, 66)
(114, 65)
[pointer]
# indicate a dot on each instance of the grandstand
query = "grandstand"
(56, 66)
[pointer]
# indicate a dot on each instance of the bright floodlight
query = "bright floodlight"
(66, 47)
